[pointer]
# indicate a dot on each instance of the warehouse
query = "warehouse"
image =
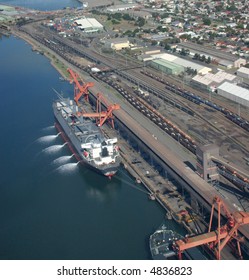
(183, 63)
(89, 25)
(210, 81)
(223, 58)
(117, 43)
(121, 8)
(234, 93)
(243, 73)
(166, 66)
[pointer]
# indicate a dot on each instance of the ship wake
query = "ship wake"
(61, 160)
(47, 138)
(67, 168)
(53, 149)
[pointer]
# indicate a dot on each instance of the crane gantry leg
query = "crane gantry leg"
(217, 239)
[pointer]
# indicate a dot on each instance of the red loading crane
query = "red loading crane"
(102, 116)
(80, 88)
(217, 240)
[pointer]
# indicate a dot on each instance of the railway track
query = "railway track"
(155, 116)
(167, 95)
(161, 94)
(179, 137)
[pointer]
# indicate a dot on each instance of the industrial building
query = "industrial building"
(234, 93)
(206, 168)
(182, 62)
(210, 81)
(166, 66)
(8, 13)
(117, 43)
(121, 8)
(89, 25)
(243, 73)
(224, 59)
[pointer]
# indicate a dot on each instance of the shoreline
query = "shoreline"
(42, 50)
(133, 173)
(96, 3)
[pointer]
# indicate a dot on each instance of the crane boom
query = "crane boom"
(80, 88)
(102, 116)
(198, 240)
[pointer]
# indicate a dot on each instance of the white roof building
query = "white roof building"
(234, 93)
(243, 72)
(117, 43)
(89, 25)
(223, 58)
(183, 62)
(122, 7)
(211, 81)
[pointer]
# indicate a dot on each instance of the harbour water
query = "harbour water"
(43, 5)
(53, 209)
(50, 207)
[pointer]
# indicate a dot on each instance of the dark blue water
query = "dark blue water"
(44, 5)
(50, 210)
(54, 209)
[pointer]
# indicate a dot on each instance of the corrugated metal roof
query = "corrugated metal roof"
(216, 78)
(168, 64)
(166, 56)
(95, 23)
(244, 70)
(89, 23)
(182, 62)
(186, 63)
(202, 79)
(235, 90)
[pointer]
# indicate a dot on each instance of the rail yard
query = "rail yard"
(163, 118)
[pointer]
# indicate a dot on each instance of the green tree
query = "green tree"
(206, 21)
(117, 16)
(196, 56)
(202, 58)
(208, 60)
(114, 21)
(232, 7)
(127, 17)
(140, 22)
(183, 52)
(167, 47)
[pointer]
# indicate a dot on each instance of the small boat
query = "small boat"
(161, 243)
(152, 196)
(162, 246)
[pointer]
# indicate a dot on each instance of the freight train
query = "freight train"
(200, 100)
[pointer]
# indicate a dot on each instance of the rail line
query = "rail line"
(199, 100)
(237, 177)
(140, 103)
(97, 58)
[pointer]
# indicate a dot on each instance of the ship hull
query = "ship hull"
(74, 146)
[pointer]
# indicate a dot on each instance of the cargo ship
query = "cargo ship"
(85, 139)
